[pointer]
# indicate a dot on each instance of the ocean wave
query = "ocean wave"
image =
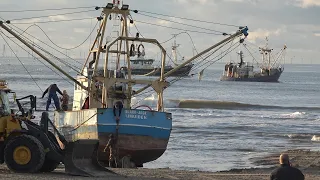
(300, 136)
(196, 104)
(293, 115)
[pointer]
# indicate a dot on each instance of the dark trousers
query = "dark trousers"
(55, 99)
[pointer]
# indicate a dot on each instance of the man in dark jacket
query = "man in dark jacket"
(286, 171)
(52, 91)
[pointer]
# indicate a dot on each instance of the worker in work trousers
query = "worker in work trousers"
(112, 151)
(52, 91)
(118, 106)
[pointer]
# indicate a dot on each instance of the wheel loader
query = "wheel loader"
(26, 147)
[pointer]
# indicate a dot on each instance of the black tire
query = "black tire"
(49, 165)
(31, 144)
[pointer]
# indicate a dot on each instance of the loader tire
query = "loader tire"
(24, 154)
(49, 165)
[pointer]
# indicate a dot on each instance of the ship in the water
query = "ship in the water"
(268, 70)
(145, 66)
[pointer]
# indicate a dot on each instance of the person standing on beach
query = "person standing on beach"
(286, 171)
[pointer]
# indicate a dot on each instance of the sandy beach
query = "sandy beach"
(307, 161)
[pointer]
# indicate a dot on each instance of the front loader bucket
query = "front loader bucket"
(81, 159)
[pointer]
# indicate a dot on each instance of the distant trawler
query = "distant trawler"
(144, 66)
(244, 71)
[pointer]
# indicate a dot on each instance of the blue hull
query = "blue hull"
(142, 134)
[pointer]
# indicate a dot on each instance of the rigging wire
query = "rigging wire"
(136, 26)
(197, 20)
(63, 47)
(222, 56)
(37, 59)
(195, 66)
(205, 59)
(43, 43)
(48, 46)
(20, 60)
(194, 47)
(53, 21)
(183, 24)
(60, 60)
(48, 67)
(179, 78)
(55, 43)
(36, 10)
(177, 28)
(251, 54)
(77, 12)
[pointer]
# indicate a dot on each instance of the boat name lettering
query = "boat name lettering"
(133, 114)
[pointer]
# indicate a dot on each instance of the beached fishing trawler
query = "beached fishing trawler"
(102, 87)
(145, 66)
(268, 71)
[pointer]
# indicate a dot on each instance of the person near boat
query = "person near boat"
(117, 107)
(52, 94)
(64, 100)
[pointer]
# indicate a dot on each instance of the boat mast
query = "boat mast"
(266, 55)
(174, 50)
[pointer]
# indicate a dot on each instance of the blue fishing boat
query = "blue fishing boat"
(102, 105)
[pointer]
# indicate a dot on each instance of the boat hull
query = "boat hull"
(141, 149)
(272, 78)
(184, 71)
(142, 134)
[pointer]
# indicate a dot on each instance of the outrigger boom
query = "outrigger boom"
(158, 84)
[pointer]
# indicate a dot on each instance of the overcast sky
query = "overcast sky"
(291, 22)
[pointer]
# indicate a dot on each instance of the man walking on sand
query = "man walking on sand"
(286, 171)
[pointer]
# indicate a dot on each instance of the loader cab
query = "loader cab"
(4, 99)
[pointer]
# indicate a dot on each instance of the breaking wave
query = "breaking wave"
(293, 115)
(315, 138)
(208, 104)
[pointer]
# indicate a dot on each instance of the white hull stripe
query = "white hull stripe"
(135, 125)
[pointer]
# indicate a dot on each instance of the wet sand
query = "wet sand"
(307, 161)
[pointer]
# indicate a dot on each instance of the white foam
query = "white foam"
(315, 138)
(152, 100)
(293, 136)
(293, 115)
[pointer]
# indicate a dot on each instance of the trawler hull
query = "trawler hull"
(272, 78)
(184, 71)
(142, 149)
(142, 134)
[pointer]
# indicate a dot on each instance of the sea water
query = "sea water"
(271, 117)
